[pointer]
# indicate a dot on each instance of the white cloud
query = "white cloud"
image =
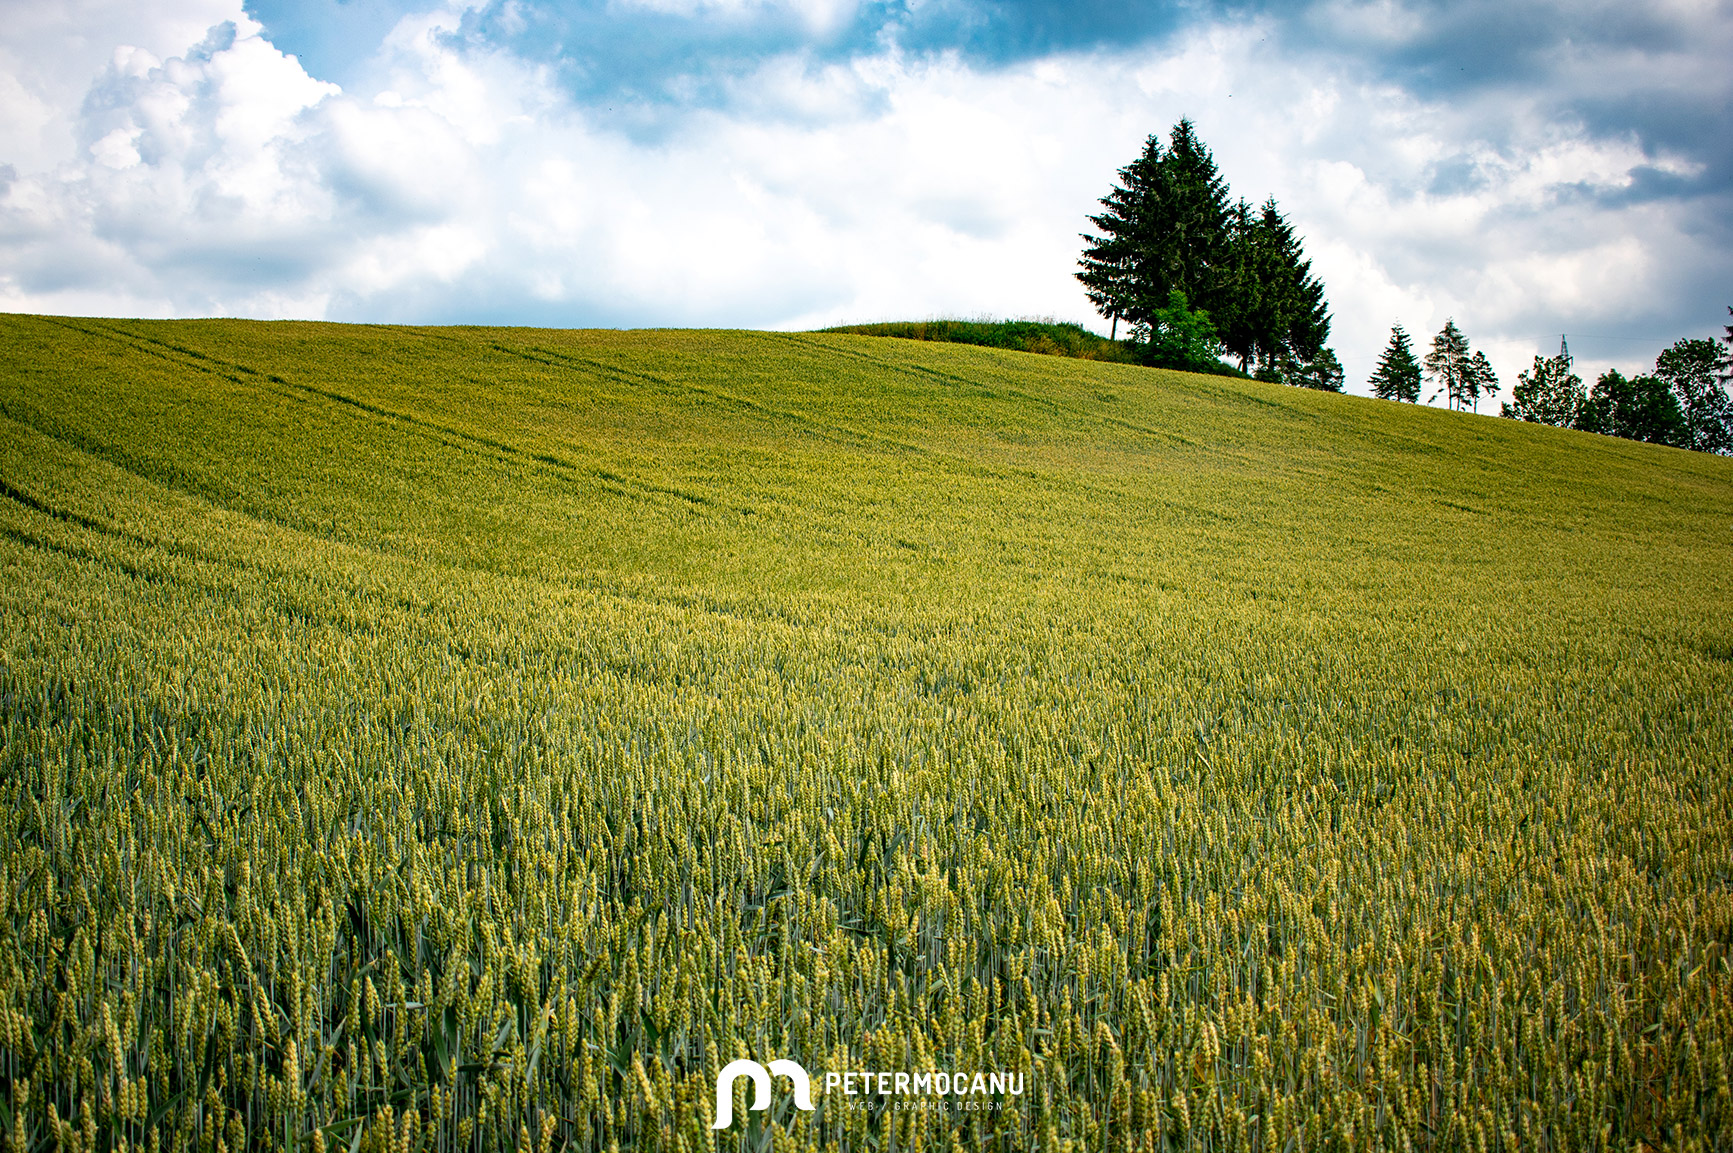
(51, 53)
(224, 179)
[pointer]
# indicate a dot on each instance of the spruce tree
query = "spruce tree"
(1164, 230)
(1237, 311)
(1118, 264)
(1278, 315)
(1196, 245)
(1398, 373)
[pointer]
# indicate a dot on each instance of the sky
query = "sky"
(1529, 168)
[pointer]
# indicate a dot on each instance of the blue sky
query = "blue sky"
(1528, 168)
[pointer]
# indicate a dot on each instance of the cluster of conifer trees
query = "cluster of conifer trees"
(1196, 276)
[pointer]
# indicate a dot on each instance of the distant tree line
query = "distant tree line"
(1196, 276)
(1684, 402)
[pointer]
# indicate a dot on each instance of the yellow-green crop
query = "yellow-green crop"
(439, 739)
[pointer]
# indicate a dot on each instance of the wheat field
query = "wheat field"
(473, 739)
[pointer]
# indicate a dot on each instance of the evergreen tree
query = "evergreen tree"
(1692, 370)
(1240, 287)
(1277, 311)
(1117, 264)
(1482, 381)
(1548, 393)
(1164, 230)
(1195, 251)
(1449, 366)
(1398, 373)
(1460, 376)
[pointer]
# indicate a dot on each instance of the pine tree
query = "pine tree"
(1398, 373)
(1548, 393)
(1482, 381)
(1279, 313)
(1117, 264)
(1196, 246)
(1449, 366)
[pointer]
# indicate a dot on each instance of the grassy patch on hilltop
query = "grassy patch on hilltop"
(1053, 338)
(479, 736)
(1047, 337)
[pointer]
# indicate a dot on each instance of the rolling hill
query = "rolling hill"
(476, 737)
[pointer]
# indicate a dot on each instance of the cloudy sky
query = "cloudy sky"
(1529, 167)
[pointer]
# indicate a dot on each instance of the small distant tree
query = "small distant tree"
(1398, 373)
(1548, 393)
(1636, 408)
(1450, 366)
(1693, 370)
(1482, 381)
(1460, 376)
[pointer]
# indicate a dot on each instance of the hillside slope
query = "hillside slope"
(563, 714)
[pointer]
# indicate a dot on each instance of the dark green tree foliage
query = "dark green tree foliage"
(1693, 370)
(1164, 231)
(1636, 408)
(1323, 372)
(1280, 304)
(1548, 393)
(1398, 374)
(1168, 227)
